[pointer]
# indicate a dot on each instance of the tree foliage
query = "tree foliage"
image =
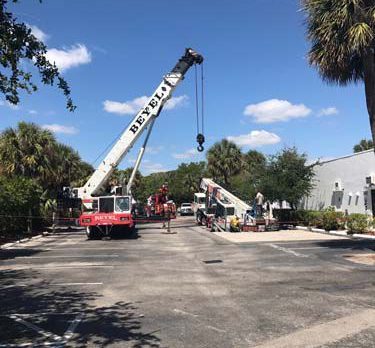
(19, 198)
(363, 145)
(17, 45)
(32, 152)
(342, 36)
(246, 184)
(287, 177)
(224, 159)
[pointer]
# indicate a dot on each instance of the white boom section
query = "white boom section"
(139, 158)
(240, 207)
(150, 110)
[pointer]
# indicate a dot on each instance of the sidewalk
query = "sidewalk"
(276, 236)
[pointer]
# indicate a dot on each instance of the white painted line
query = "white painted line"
(69, 267)
(65, 257)
(78, 248)
(28, 315)
(73, 284)
(33, 327)
(215, 328)
(179, 311)
(323, 334)
(286, 250)
(307, 248)
(70, 332)
(84, 266)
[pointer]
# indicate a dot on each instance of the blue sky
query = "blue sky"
(260, 91)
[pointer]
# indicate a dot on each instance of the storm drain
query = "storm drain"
(212, 261)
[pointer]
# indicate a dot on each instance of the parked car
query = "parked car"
(186, 209)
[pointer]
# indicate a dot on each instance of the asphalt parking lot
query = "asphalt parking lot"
(189, 289)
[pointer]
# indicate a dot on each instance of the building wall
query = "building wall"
(342, 183)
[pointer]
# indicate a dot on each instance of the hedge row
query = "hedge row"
(327, 219)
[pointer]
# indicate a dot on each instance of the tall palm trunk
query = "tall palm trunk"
(369, 79)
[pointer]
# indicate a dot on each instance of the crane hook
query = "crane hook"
(200, 141)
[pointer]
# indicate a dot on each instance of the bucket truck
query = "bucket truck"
(108, 213)
(220, 205)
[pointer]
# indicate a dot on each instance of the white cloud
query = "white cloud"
(175, 102)
(9, 105)
(275, 110)
(255, 138)
(38, 33)
(153, 150)
(131, 107)
(149, 167)
(70, 57)
(58, 128)
(186, 155)
(328, 111)
(33, 112)
(128, 108)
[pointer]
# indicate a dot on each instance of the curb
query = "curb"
(24, 240)
(363, 236)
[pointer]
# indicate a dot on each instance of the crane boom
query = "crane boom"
(144, 117)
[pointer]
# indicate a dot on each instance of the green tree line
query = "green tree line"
(283, 176)
(34, 166)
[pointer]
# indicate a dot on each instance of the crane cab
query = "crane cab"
(113, 214)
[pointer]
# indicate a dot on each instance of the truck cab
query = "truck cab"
(113, 214)
(199, 201)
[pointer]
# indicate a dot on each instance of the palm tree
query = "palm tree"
(342, 34)
(363, 145)
(27, 151)
(224, 159)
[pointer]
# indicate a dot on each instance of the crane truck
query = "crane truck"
(104, 214)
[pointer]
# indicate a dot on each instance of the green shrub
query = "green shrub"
(315, 218)
(19, 197)
(357, 223)
(331, 219)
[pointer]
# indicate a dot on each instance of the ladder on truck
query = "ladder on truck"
(227, 204)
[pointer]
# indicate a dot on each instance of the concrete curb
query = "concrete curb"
(363, 236)
(24, 240)
(318, 230)
(303, 228)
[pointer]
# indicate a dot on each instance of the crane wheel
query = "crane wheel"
(92, 232)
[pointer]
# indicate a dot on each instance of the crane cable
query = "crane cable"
(200, 122)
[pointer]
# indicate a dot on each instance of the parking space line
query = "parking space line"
(286, 250)
(70, 331)
(322, 334)
(55, 267)
(33, 327)
(66, 256)
(307, 248)
(73, 284)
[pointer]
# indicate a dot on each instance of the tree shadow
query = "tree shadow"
(7, 254)
(53, 309)
(351, 244)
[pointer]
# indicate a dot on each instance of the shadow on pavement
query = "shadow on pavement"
(6, 254)
(348, 244)
(53, 310)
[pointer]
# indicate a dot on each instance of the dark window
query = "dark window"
(106, 205)
(230, 211)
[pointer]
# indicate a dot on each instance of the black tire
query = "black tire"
(92, 232)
